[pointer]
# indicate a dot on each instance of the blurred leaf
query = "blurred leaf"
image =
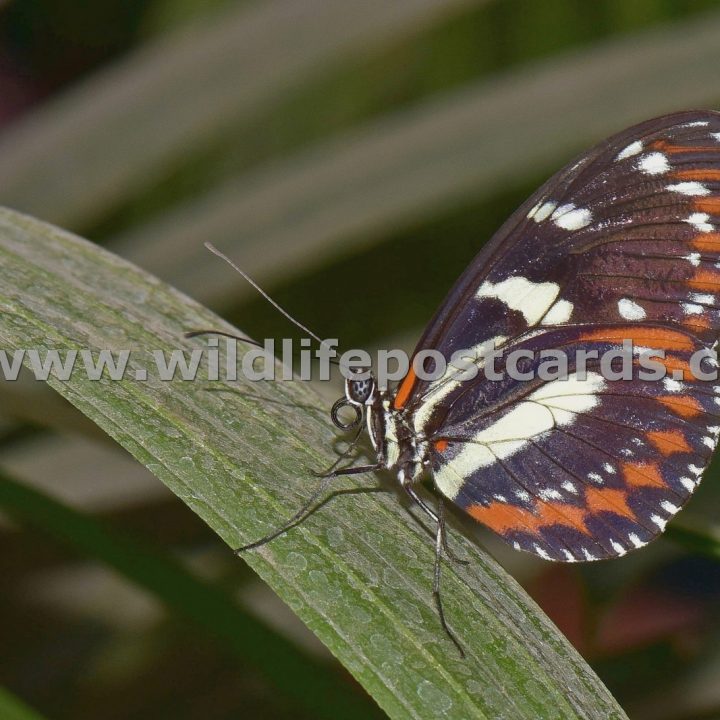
(12, 708)
(82, 152)
(358, 572)
(696, 535)
(312, 685)
(456, 48)
(26, 401)
(164, 14)
(344, 193)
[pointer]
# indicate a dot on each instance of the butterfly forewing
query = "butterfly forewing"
(624, 243)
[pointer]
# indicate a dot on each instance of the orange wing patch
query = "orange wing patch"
(673, 363)
(704, 279)
(708, 204)
(669, 441)
(405, 389)
(708, 174)
(706, 242)
(500, 517)
(701, 322)
(650, 337)
(642, 475)
(670, 149)
(609, 500)
(683, 405)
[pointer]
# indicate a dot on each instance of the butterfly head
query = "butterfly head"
(360, 389)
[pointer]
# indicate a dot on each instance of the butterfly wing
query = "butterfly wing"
(581, 468)
(623, 243)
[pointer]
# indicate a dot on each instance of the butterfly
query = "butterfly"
(621, 244)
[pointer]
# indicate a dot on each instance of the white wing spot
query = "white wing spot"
(542, 211)
(595, 478)
(567, 485)
(618, 548)
(660, 522)
(709, 442)
(702, 298)
(635, 540)
(568, 556)
(630, 310)
(700, 222)
(668, 507)
(559, 313)
(672, 385)
(609, 468)
(568, 217)
(692, 309)
(654, 164)
(693, 258)
(695, 123)
(541, 552)
(688, 188)
(588, 555)
(695, 470)
(550, 494)
(532, 299)
(716, 136)
(687, 483)
(632, 149)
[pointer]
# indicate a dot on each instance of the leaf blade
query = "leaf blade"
(358, 573)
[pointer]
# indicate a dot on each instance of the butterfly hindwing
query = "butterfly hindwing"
(583, 467)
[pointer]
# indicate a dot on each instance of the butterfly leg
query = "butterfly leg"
(410, 490)
(307, 509)
(440, 545)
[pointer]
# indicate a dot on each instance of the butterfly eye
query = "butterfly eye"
(335, 414)
(359, 391)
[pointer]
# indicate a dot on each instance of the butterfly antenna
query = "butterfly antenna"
(278, 307)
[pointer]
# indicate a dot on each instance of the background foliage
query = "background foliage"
(353, 156)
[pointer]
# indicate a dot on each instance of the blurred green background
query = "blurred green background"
(353, 156)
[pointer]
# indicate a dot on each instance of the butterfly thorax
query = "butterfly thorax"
(397, 446)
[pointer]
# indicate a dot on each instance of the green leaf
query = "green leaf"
(312, 685)
(358, 572)
(12, 708)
